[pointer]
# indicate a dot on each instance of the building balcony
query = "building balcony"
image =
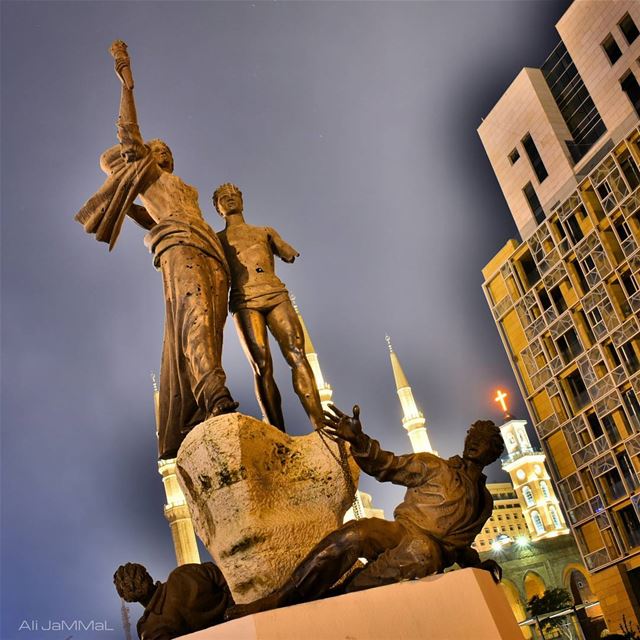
(518, 455)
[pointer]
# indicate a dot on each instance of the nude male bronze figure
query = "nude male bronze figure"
(259, 301)
(445, 507)
(194, 270)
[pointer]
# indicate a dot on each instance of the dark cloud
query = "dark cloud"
(351, 128)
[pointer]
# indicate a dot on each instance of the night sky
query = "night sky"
(351, 129)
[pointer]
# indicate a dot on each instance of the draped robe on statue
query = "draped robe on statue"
(196, 286)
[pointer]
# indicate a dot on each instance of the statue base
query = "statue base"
(459, 604)
(260, 500)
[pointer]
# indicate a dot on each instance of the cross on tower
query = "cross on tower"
(501, 395)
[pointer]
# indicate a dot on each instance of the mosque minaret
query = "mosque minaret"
(176, 510)
(412, 419)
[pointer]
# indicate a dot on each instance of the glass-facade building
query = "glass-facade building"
(565, 297)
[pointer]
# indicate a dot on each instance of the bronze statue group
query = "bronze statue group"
(205, 274)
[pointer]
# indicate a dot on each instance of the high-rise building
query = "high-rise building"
(564, 143)
(527, 534)
(412, 418)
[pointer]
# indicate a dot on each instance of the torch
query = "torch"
(123, 65)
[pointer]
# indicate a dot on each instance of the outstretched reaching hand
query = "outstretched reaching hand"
(339, 425)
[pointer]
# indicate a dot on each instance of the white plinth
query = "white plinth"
(460, 605)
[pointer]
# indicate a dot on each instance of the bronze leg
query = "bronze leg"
(252, 329)
(414, 557)
(328, 561)
(283, 323)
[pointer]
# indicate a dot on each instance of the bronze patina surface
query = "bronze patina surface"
(194, 597)
(187, 252)
(445, 507)
(259, 301)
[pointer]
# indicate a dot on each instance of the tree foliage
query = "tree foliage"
(552, 600)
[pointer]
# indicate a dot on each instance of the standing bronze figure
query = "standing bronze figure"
(259, 300)
(445, 507)
(187, 252)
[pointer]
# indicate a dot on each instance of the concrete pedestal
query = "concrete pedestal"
(459, 605)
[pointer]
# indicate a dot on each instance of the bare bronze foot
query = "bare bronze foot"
(224, 405)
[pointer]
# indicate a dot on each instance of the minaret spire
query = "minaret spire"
(362, 506)
(324, 389)
(413, 420)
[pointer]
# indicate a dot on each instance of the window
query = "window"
(594, 423)
(596, 320)
(545, 489)
(569, 346)
(545, 301)
(577, 271)
(574, 102)
(534, 203)
(514, 156)
(554, 517)
(534, 156)
(630, 86)
(633, 407)
(558, 299)
(588, 264)
(628, 472)
(630, 169)
(537, 522)
(629, 356)
(576, 390)
(528, 496)
(611, 486)
(622, 229)
(630, 526)
(574, 229)
(629, 283)
(606, 196)
(611, 429)
(529, 269)
(613, 355)
(611, 48)
(628, 28)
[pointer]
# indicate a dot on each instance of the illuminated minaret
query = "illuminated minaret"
(530, 478)
(176, 510)
(362, 506)
(323, 387)
(413, 420)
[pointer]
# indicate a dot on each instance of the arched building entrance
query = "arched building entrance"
(590, 619)
(516, 604)
(533, 585)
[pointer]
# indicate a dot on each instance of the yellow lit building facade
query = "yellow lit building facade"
(506, 524)
(564, 143)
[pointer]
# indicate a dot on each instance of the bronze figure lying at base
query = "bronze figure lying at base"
(445, 507)
(194, 597)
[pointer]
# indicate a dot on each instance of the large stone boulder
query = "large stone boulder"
(260, 499)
